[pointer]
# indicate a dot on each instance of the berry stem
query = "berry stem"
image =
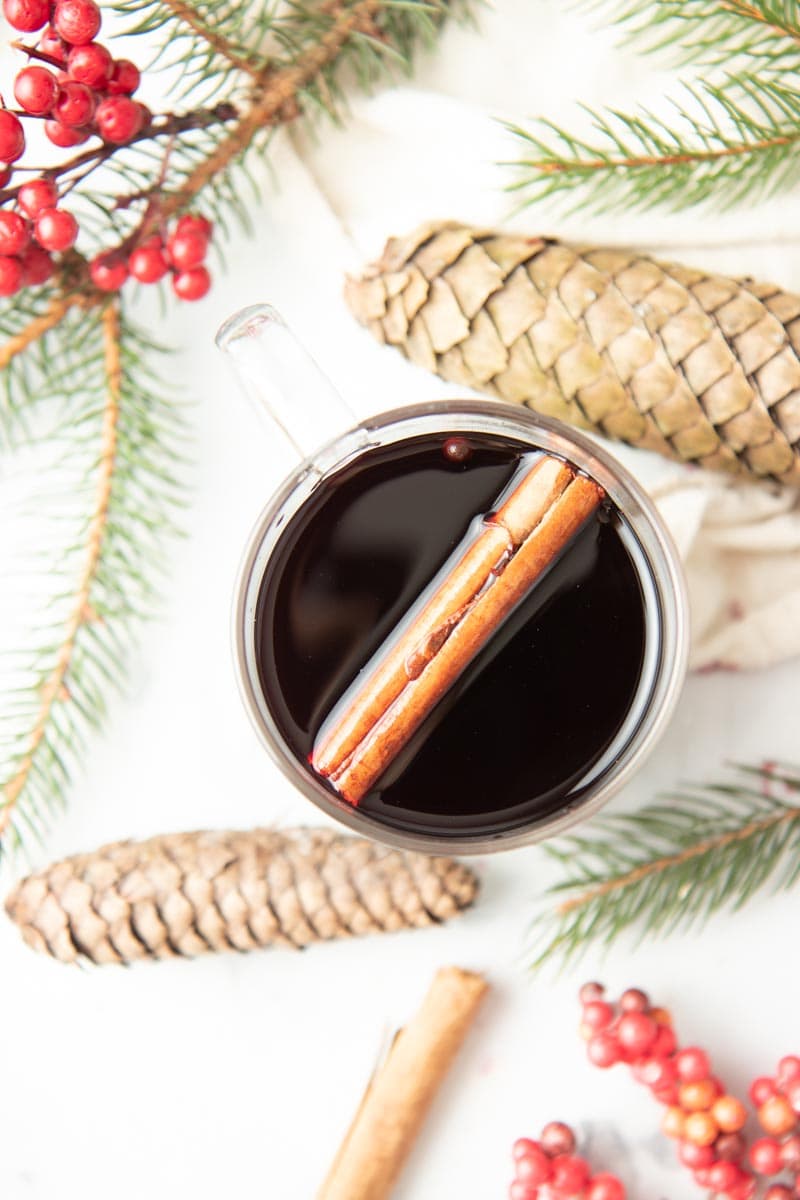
(39, 55)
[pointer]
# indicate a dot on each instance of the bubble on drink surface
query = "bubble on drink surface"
(457, 450)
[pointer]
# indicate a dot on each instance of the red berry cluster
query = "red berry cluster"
(88, 92)
(181, 251)
(706, 1120)
(776, 1100)
(550, 1168)
(29, 236)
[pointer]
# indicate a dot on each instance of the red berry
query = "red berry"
(604, 1050)
(64, 135)
(570, 1175)
(597, 1015)
(36, 90)
(125, 78)
(193, 285)
(51, 44)
(765, 1156)
(12, 137)
(790, 1152)
(693, 1065)
(778, 1191)
(37, 266)
(636, 1032)
(194, 223)
(668, 1094)
(723, 1175)
(10, 275)
(557, 1138)
(5, 175)
(108, 272)
(522, 1191)
(665, 1044)
(743, 1190)
(634, 1000)
(75, 104)
(605, 1187)
(38, 194)
(776, 1115)
(522, 1146)
(701, 1176)
(76, 21)
(730, 1147)
(91, 64)
(145, 115)
(26, 15)
(696, 1157)
(655, 1072)
(14, 234)
(788, 1071)
(118, 119)
(148, 264)
(762, 1089)
(55, 229)
(534, 1167)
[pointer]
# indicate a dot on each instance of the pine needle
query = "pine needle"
(673, 864)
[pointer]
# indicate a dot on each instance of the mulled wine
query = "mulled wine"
(524, 714)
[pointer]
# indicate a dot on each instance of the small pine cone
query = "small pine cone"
(189, 893)
(702, 368)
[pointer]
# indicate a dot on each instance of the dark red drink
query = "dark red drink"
(532, 717)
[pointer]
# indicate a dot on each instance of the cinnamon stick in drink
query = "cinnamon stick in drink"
(518, 542)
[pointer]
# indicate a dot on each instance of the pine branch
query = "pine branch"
(673, 864)
(55, 688)
(81, 645)
(713, 33)
(730, 143)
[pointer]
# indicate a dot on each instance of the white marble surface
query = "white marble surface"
(237, 1076)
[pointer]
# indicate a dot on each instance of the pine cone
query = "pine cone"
(699, 367)
(188, 893)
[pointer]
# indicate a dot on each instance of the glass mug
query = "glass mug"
(459, 626)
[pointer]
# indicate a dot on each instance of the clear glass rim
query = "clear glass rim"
(489, 416)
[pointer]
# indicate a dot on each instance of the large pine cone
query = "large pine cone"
(189, 893)
(696, 366)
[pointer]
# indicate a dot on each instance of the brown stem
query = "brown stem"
(40, 325)
(749, 11)
(189, 15)
(54, 688)
(170, 125)
(663, 160)
(674, 860)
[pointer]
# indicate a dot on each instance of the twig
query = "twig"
(547, 167)
(40, 325)
(54, 687)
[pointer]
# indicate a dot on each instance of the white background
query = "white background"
(236, 1076)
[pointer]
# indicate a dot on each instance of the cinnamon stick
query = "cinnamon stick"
(415, 670)
(394, 1106)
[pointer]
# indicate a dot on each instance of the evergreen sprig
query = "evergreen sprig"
(672, 864)
(712, 33)
(734, 135)
(239, 76)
